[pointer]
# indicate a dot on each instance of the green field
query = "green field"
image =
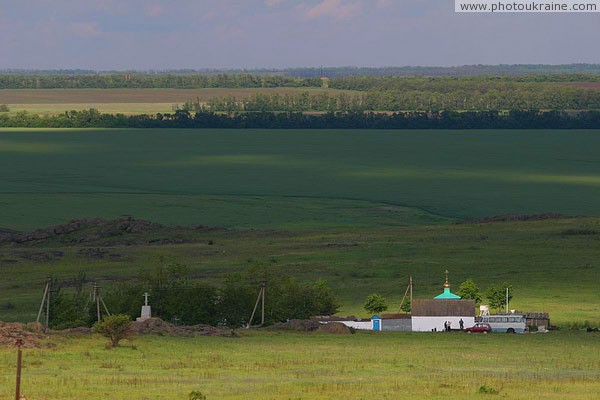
(552, 264)
(313, 366)
(362, 209)
(180, 176)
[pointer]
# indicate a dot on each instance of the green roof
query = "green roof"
(447, 295)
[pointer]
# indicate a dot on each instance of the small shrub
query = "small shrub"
(114, 327)
(4, 108)
(197, 395)
(488, 390)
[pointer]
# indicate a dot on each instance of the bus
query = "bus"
(509, 323)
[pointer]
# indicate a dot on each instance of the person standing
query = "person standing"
(462, 324)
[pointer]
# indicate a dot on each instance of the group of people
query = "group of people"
(448, 325)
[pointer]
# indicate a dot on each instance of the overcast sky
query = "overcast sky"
(160, 34)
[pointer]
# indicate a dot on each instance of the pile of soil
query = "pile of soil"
(102, 232)
(299, 325)
(515, 218)
(30, 333)
(156, 326)
(83, 230)
(336, 328)
(82, 330)
(307, 325)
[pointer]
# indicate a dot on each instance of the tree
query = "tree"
(375, 303)
(497, 295)
(470, 291)
(115, 327)
(406, 306)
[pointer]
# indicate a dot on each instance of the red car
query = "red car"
(479, 328)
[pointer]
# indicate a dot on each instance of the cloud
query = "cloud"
(154, 10)
(123, 34)
(336, 9)
(383, 4)
(85, 29)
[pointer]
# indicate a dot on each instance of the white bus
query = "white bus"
(509, 323)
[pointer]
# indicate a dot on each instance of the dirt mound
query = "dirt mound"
(30, 333)
(307, 325)
(299, 325)
(83, 230)
(6, 233)
(82, 330)
(156, 326)
(515, 218)
(336, 328)
(105, 233)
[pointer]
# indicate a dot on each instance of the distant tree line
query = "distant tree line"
(336, 72)
(176, 298)
(425, 96)
(257, 80)
(516, 119)
(171, 81)
(459, 71)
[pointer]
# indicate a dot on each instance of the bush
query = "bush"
(488, 390)
(196, 395)
(114, 327)
(375, 303)
(4, 108)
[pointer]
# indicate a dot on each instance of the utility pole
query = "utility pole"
(261, 296)
(507, 300)
(46, 302)
(411, 292)
(264, 287)
(97, 298)
(19, 359)
(407, 292)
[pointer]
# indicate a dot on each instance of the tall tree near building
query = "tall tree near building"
(470, 291)
(375, 303)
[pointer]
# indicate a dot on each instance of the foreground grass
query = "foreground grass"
(551, 264)
(294, 366)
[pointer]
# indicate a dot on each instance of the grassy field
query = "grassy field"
(362, 209)
(126, 101)
(180, 176)
(293, 366)
(552, 264)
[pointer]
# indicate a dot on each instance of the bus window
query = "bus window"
(511, 319)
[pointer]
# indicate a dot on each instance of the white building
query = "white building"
(446, 308)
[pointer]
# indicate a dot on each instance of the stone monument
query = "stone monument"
(146, 310)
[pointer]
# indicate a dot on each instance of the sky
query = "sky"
(175, 34)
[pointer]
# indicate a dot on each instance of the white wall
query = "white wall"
(426, 324)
